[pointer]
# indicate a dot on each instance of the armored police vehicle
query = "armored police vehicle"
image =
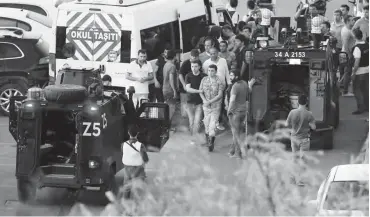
(69, 135)
(286, 66)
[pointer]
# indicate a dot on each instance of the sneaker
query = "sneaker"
(237, 156)
(192, 142)
(220, 127)
(231, 153)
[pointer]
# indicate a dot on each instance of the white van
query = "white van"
(96, 30)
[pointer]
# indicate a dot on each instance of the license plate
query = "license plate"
(290, 54)
(294, 61)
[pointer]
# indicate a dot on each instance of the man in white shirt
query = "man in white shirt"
(140, 73)
(222, 73)
(360, 72)
(208, 44)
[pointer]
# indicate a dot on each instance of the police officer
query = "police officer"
(360, 72)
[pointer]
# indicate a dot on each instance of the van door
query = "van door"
(80, 33)
(153, 120)
(193, 21)
(107, 37)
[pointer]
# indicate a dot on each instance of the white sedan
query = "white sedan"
(345, 192)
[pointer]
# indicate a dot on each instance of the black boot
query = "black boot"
(212, 144)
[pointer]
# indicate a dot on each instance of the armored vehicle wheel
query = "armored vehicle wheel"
(65, 93)
(26, 190)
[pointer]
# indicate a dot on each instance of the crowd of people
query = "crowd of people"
(213, 84)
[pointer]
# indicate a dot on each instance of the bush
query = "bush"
(187, 185)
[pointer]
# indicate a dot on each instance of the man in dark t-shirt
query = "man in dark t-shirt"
(194, 102)
(184, 70)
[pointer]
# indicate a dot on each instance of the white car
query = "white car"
(345, 192)
(29, 21)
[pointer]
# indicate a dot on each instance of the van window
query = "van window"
(7, 22)
(60, 42)
(125, 46)
(9, 51)
(32, 8)
(193, 31)
(155, 39)
(224, 18)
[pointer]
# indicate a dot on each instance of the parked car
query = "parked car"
(345, 192)
(28, 21)
(23, 62)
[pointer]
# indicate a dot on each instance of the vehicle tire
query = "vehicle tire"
(18, 88)
(65, 93)
(26, 190)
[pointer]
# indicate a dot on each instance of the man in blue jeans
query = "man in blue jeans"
(236, 105)
(194, 103)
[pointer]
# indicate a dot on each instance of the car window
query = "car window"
(347, 195)
(7, 22)
(9, 51)
(32, 8)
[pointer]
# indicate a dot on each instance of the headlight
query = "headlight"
(93, 164)
(262, 44)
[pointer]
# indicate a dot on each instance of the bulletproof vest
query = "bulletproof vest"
(364, 48)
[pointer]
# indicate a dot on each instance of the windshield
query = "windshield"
(348, 195)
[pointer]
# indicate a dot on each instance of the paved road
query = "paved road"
(348, 139)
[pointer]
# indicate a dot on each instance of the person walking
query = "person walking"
(335, 30)
(222, 73)
(360, 72)
(348, 41)
(155, 90)
(169, 86)
(194, 103)
(237, 106)
(301, 122)
(140, 74)
(184, 70)
(212, 90)
(134, 158)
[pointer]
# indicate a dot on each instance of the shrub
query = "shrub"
(186, 184)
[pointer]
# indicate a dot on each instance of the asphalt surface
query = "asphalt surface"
(55, 202)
